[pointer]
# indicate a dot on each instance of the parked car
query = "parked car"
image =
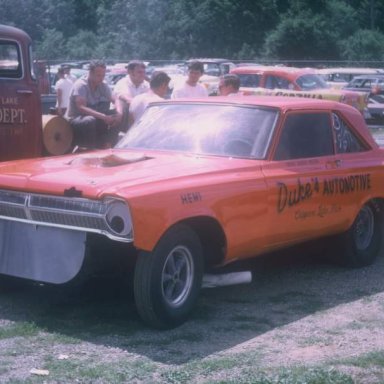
(374, 85)
(215, 67)
(196, 184)
(299, 82)
(340, 77)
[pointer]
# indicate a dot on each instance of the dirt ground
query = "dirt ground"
(295, 311)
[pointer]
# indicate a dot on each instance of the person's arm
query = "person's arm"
(81, 105)
(59, 95)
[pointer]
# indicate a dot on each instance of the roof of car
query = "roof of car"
(210, 60)
(351, 70)
(269, 68)
(285, 104)
(377, 76)
(281, 102)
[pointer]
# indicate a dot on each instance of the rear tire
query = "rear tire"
(167, 281)
(363, 242)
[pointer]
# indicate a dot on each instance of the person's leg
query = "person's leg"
(85, 130)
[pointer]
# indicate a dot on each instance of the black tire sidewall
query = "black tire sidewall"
(169, 316)
(355, 257)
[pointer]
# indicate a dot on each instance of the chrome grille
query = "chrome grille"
(68, 219)
(69, 212)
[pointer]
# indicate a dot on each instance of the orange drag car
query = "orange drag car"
(195, 184)
(295, 82)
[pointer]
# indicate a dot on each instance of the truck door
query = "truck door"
(20, 105)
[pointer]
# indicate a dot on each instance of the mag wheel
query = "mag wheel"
(167, 280)
(362, 243)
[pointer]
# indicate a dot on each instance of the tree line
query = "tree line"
(348, 30)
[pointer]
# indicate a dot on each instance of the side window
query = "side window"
(273, 82)
(305, 135)
(346, 141)
(249, 80)
(10, 60)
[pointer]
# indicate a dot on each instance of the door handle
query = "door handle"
(333, 164)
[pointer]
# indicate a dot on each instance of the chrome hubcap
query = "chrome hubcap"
(177, 276)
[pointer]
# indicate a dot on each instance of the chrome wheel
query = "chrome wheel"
(177, 276)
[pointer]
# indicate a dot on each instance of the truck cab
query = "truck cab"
(20, 102)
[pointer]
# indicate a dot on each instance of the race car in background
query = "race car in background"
(295, 82)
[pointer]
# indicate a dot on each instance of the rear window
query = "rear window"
(10, 60)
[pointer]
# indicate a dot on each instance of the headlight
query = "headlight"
(118, 218)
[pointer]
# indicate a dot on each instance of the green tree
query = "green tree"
(52, 46)
(363, 45)
(311, 30)
(83, 45)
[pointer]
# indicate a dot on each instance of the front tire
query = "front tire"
(362, 243)
(167, 281)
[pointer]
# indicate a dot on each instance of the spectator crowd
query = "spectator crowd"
(97, 114)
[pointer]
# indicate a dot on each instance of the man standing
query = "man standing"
(63, 89)
(191, 87)
(88, 112)
(158, 89)
(130, 86)
(67, 73)
(133, 83)
(229, 85)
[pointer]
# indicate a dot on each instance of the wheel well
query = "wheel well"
(212, 238)
(378, 204)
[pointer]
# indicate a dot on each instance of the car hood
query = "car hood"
(113, 171)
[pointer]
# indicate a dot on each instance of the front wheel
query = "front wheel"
(362, 243)
(167, 281)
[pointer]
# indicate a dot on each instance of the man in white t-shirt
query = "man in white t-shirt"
(63, 89)
(130, 86)
(133, 84)
(191, 87)
(158, 89)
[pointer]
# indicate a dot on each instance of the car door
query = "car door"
(306, 179)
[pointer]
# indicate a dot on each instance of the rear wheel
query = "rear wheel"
(167, 280)
(362, 243)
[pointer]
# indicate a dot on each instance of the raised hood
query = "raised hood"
(107, 172)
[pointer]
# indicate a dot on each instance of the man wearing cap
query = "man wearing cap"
(130, 86)
(67, 73)
(158, 89)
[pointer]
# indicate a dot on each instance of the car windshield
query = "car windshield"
(205, 129)
(309, 82)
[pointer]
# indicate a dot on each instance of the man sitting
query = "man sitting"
(94, 125)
